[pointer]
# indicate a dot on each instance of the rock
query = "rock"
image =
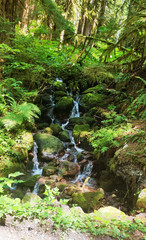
(80, 121)
(64, 106)
(61, 186)
(48, 130)
(108, 213)
(78, 129)
(30, 181)
(141, 202)
(64, 136)
(50, 169)
(88, 201)
(31, 197)
(128, 163)
(48, 145)
(56, 128)
(68, 168)
(107, 181)
(24, 142)
(141, 217)
(90, 100)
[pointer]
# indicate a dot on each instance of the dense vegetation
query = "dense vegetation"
(97, 48)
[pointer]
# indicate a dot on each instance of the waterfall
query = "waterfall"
(36, 170)
(86, 173)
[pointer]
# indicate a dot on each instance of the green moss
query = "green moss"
(64, 136)
(78, 129)
(81, 121)
(48, 144)
(48, 130)
(88, 200)
(30, 181)
(56, 129)
(61, 186)
(65, 104)
(90, 100)
(49, 170)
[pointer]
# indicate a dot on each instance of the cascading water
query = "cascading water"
(36, 169)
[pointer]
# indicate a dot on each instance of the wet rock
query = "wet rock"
(88, 201)
(64, 106)
(48, 130)
(30, 181)
(141, 202)
(64, 136)
(48, 145)
(78, 129)
(67, 168)
(80, 121)
(56, 128)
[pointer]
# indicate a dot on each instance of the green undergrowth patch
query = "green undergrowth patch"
(44, 209)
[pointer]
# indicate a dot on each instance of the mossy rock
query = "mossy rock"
(64, 136)
(48, 145)
(88, 201)
(98, 88)
(78, 129)
(141, 202)
(32, 198)
(80, 121)
(109, 213)
(90, 100)
(59, 86)
(25, 143)
(67, 168)
(64, 105)
(61, 186)
(30, 181)
(48, 130)
(59, 94)
(49, 170)
(56, 128)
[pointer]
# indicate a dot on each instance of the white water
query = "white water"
(86, 173)
(36, 170)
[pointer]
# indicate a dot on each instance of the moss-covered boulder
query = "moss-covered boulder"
(32, 198)
(30, 181)
(141, 201)
(78, 129)
(90, 100)
(48, 145)
(81, 134)
(64, 106)
(59, 94)
(108, 213)
(80, 121)
(48, 130)
(88, 201)
(67, 168)
(56, 128)
(64, 136)
(23, 143)
(128, 163)
(50, 169)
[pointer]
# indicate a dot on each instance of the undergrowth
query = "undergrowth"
(44, 209)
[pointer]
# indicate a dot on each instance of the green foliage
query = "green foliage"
(21, 114)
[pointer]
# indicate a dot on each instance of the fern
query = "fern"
(21, 114)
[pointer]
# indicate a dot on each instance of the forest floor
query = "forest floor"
(31, 230)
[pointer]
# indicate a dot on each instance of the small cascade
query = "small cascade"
(36, 170)
(86, 173)
(51, 109)
(75, 110)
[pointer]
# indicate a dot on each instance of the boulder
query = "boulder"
(30, 181)
(56, 129)
(31, 197)
(67, 168)
(48, 145)
(108, 213)
(80, 121)
(90, 100)
(78, 129)
(88, 201)
(64, 106)
(50, 169)
(141, 201)
(64, 136)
